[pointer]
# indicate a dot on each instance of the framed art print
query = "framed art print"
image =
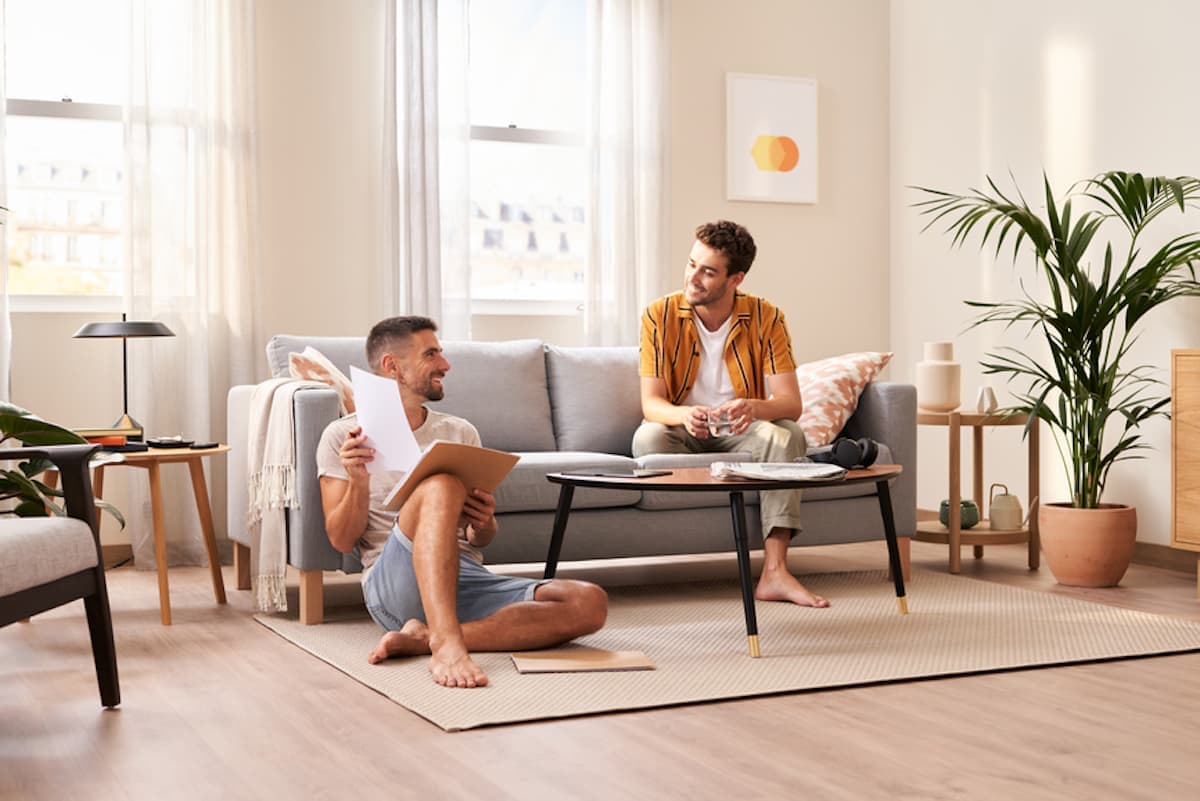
(770, 138)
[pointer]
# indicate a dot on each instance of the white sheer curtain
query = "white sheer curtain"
(426, 161)
(5, 320)
(628, 164)
(427, 147)
(191, 257)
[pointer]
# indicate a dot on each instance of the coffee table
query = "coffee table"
(700, 479)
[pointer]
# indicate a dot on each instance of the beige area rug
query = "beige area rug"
(696, 635)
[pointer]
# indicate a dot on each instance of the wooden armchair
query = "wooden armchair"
(49, 561)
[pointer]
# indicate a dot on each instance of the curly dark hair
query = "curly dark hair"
(387, 334)
(731, 239)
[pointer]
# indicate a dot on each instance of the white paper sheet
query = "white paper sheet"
(381, 415)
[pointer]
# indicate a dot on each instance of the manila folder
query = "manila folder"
(569, 660)
(477, 468)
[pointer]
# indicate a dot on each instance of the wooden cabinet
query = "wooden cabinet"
(1185, 451)
(932, 530)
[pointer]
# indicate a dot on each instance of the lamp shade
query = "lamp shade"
(124, 328)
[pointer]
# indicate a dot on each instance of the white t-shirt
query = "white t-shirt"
(713, 385)
(379, 520)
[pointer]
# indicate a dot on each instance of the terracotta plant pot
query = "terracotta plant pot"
(1088, 547)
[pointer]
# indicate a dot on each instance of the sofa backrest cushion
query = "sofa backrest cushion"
(342, 351)
(595, 397)
(501, 388)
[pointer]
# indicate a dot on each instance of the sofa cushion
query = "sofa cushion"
(830, 389)
(341, 351)
(526, 488)
(500, 387)
(595, 398)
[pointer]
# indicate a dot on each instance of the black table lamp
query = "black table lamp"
(125, 329)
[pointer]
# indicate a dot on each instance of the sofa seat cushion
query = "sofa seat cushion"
(500, 387)
(660, 501)
(526, 488)
(37, 550)
(595, 397)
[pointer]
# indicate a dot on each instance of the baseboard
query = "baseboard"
(114, 555)
(1150, 553)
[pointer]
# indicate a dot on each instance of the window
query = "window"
(66, 73)
(528, 109)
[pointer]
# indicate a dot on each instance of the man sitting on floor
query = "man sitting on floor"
(423, 577)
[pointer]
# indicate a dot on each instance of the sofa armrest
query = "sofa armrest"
(887, 412)
(308, 544)
(313, 409)
(237, 495)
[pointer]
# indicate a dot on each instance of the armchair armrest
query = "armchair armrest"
(72, 464)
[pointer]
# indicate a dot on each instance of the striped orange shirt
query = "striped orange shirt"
(758, 345)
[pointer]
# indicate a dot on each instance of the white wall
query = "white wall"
(1070, 87)
(825, 265)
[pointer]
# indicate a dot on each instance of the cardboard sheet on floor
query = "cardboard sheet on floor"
(571, 660)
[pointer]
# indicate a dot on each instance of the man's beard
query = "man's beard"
(431, 391)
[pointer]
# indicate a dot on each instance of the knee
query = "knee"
(788, 435)
(440, 488)
(589, 604)
(651, 438)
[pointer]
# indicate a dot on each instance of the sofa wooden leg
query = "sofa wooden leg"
(312, 597)
(241, 565)
(904, 545)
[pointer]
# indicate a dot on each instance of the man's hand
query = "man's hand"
(479, 516)
(739, 412)
(696, 422)
(355, 455)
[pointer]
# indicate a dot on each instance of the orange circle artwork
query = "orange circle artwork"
(775, 153)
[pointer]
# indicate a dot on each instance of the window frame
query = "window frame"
(522, 307)
(64, 109)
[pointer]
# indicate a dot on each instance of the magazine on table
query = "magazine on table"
(778, 471)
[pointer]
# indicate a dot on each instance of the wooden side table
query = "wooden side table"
(151, 460)
(932, 530)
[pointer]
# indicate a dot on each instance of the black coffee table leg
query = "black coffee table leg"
(889, 531)
(565, 493)
(737, 508)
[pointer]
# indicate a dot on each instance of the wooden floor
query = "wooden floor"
(218, 707)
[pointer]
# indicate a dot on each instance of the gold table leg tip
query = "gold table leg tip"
(902, 602)
(752, 640)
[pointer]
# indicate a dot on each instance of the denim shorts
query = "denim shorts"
(393, 598)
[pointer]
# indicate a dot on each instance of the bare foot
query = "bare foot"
(410, 640)
(780, 585)
(452, 666)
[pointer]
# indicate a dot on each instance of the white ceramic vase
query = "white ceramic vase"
(939, 378)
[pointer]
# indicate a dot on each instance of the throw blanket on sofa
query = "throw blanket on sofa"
(271, 467)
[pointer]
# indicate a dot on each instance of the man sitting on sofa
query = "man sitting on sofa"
(704, 355)
(423, 577)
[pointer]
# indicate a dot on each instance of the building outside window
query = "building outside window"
(66, 67)
(528, 110)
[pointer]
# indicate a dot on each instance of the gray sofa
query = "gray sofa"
(564, 408)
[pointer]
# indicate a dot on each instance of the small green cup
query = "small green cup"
(969, 516)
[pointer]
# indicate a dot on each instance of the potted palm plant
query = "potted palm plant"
(1087, 308)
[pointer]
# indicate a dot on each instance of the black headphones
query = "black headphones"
(849, 453)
